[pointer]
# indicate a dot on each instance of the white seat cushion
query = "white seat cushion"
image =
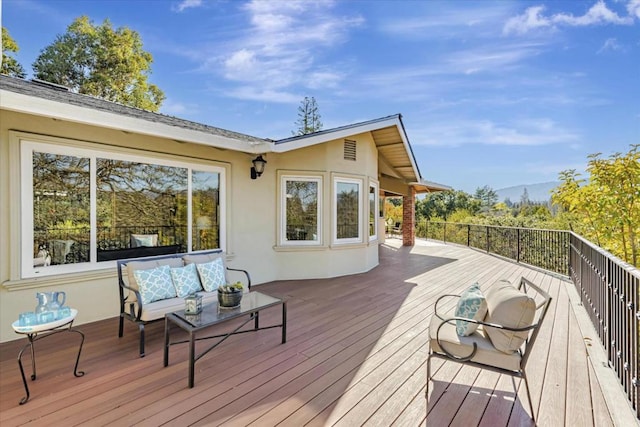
(459, 346)
(157, 309)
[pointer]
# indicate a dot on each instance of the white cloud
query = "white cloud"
(283, 46)
(529, 132)
(186, 4)
(531, 19)
(633, 7)
(455, 20)
(599, 14)
(174, 108)
(611, 44)
(251, 93)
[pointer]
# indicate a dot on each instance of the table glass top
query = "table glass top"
(212, 313)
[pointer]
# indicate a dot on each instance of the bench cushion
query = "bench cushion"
(156, 310)
(147, 265)
(508, 306)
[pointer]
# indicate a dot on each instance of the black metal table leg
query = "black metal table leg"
(166, 341)
(24, 378)
(75, 369)
(284, 322)
(192, 355)
(34, 337)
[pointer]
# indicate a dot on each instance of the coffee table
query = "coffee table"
(212, 314)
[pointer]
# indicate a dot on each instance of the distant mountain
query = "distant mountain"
(540, 192)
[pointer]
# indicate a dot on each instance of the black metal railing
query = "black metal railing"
(547, 249)
(608, 288)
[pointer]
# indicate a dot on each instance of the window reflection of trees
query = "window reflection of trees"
(205, 188)
(347, 210)
(136, 204)
(61, 208)
(301, 210)
(140, 198)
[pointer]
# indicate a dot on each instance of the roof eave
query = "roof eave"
(27, 104)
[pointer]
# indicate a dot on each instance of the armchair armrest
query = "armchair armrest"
(132, 305)
(246, 273)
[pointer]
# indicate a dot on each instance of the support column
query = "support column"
(409, 218)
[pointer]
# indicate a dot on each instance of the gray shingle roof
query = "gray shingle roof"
(59, 94)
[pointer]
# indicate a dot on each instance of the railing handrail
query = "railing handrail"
(625, 265)
(501, 226)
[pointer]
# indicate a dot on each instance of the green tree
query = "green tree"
(605, 207)
(10, 66)
(487, 196)
(308, 117)
(443, 204)
(101, 61)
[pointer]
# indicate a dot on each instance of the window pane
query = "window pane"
(347, 210)
(372, 210)
(139, 205)
(301, 210)
(61, 209)
(205, 210)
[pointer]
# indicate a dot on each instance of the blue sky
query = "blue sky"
(492, 93)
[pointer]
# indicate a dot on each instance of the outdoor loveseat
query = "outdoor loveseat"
(154, 286)
(494, 330)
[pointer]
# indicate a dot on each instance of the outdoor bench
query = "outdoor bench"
(132, 305)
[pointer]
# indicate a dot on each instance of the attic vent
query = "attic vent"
(349, 150)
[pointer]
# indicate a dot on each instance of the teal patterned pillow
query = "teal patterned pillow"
(155, 284)
(212, 274)
(185, 280)
(471, 305)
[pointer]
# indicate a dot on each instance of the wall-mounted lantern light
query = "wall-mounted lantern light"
(258, 166)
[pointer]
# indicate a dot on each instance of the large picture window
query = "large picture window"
(301, 210)
(348, 210)
(86, 207)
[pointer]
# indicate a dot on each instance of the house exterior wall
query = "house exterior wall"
(252, 211)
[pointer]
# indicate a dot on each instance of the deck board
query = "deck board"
(355, 355)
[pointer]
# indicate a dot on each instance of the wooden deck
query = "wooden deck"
(355, 355)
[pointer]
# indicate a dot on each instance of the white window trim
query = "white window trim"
(283, 210)
(60, 146)
(376, 191)
(334, 236)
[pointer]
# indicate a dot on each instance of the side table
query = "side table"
(37, 332)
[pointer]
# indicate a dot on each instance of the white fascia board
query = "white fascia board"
(349, 131)
(432, 185)
(73, 113)
(337, 134)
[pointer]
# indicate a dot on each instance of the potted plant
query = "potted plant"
(230, 295)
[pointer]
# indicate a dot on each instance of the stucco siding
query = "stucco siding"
(252, 213)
